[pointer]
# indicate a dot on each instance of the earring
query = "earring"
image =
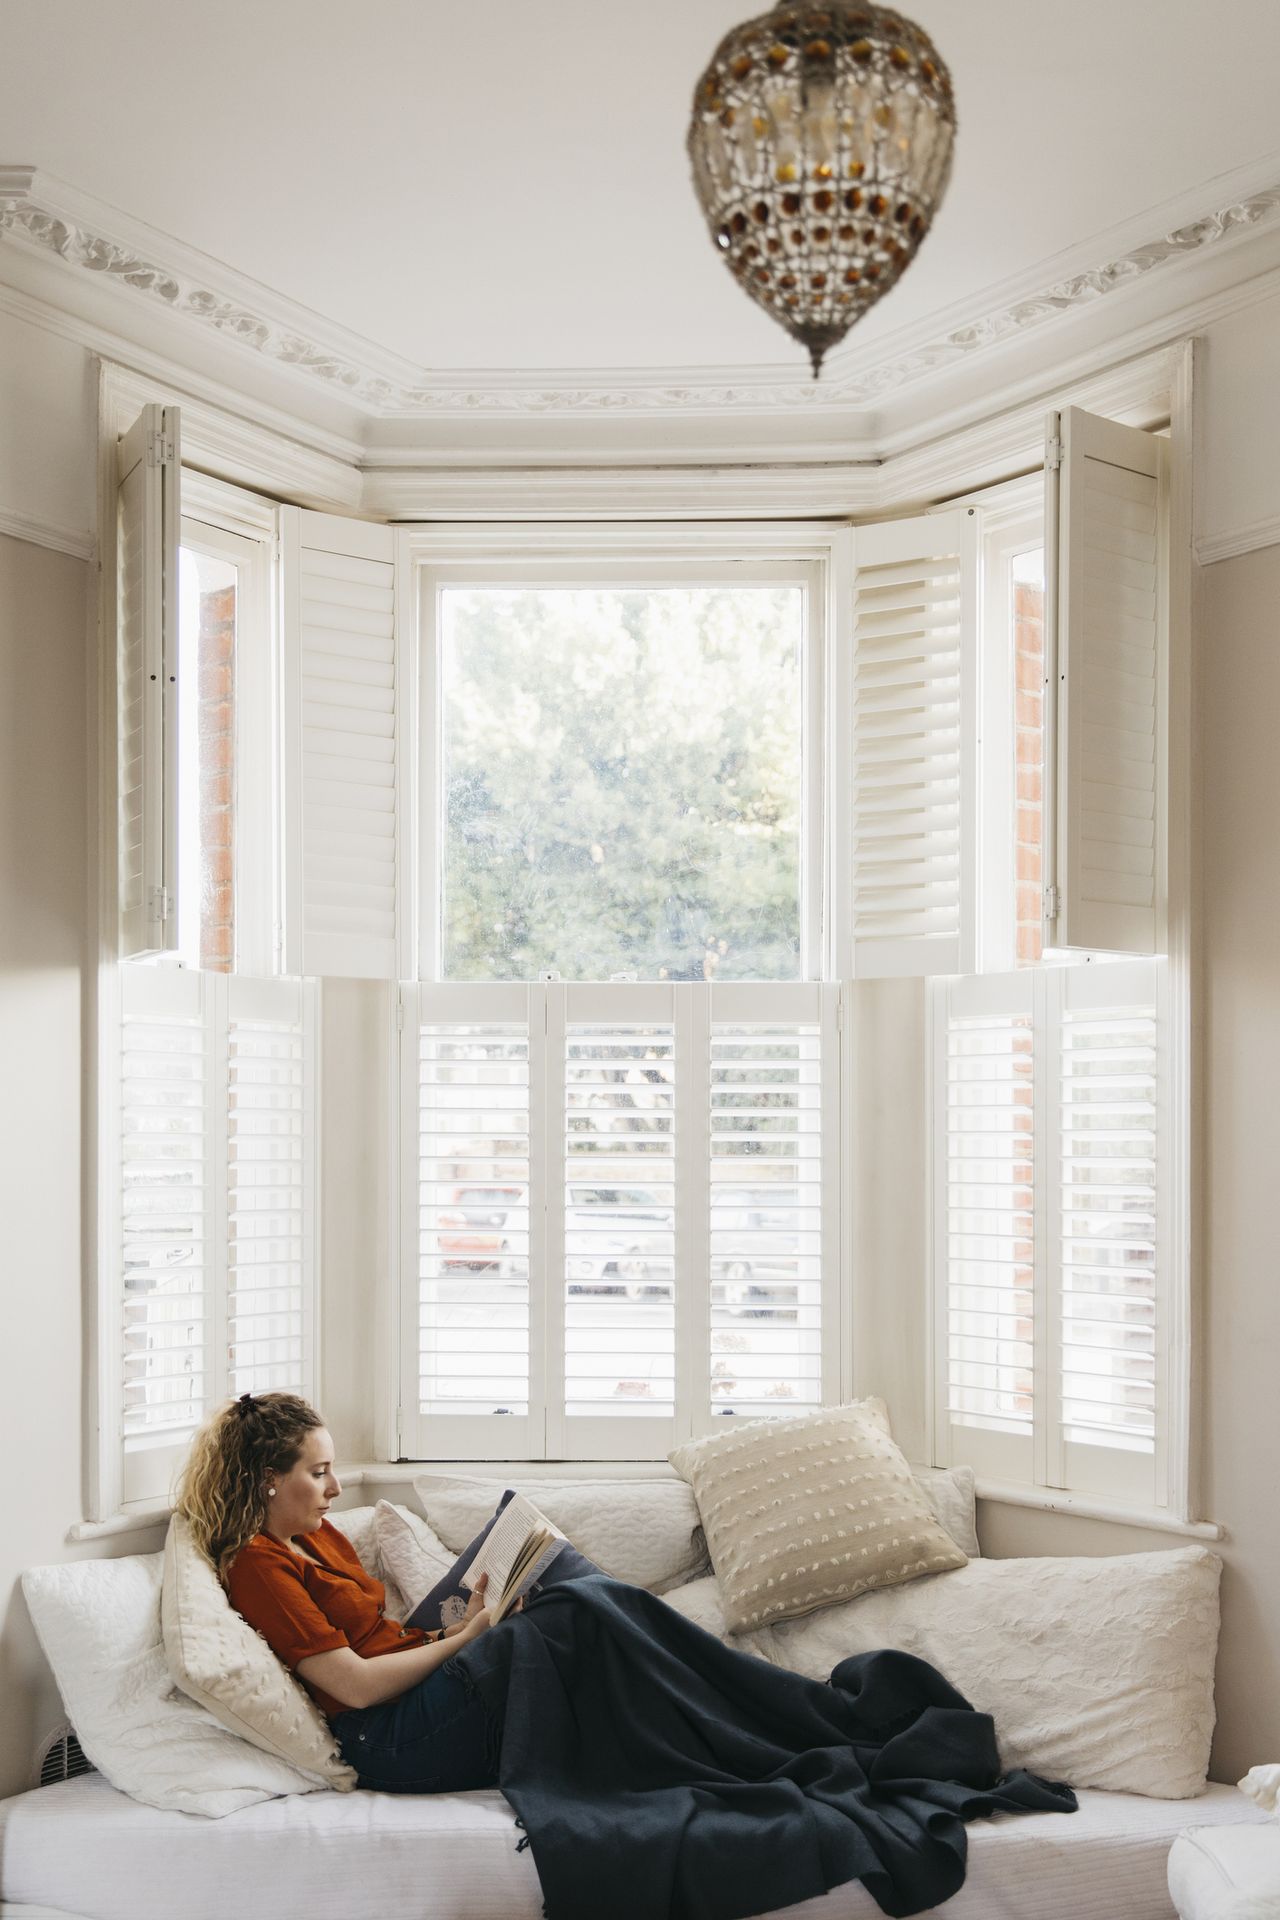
(271, 1493)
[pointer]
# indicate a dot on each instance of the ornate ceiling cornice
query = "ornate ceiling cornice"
(42, 214)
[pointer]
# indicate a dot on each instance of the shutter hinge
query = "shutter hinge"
(161, 448)
(160, 904)
(1053, 453)
(1051, 903)
(399, 1013)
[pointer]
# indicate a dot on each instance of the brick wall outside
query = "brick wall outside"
(1028, 655)
(217, 640)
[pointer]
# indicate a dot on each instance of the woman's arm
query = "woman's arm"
(367, 1683)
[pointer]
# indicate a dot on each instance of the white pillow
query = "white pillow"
(99, 1624)
(951, 1493)
(1096, 1671)
(357, 1523)
(645, 1532)
(413, 1554)
(222, 1662)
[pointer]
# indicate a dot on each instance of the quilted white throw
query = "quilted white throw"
(1262, 1784)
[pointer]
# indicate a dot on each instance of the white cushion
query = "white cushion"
(99, 1624)
(86, 1850)
(1226, 1873)
(411, 1551)
(358, 1524)
(804, 1513)
(645, 1532)
(952, 1494)
(217, 1658)
(1096, 1671)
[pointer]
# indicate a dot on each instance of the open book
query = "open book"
(515, 1549)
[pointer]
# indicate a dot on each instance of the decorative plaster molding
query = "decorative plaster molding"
(1213, 547)
(41, 533)
(43, 214)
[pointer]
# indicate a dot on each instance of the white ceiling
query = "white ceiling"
(502, 186)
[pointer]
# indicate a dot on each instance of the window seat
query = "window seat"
(86, 1852)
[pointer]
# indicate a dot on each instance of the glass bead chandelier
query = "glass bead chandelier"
(821, 146)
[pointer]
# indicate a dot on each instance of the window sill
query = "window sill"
(1091, 1507)
(147, 1514)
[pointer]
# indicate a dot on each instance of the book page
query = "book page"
(500, 1551)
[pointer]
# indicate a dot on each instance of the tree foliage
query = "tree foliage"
(622, 783)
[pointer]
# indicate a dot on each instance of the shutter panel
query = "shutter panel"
(148, 519)
(344, 706)
(472, 1375)
(915, 745)
(167, 1221)
(1113, 1287)
(1106, 546)
(985, 1228)
(270, 1180)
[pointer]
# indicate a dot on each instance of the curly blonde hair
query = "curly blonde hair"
(222, 1494)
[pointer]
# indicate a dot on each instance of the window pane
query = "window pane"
(622, 783)
(1028, 661)
(208, 594)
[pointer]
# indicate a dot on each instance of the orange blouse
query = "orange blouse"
(315, 1602)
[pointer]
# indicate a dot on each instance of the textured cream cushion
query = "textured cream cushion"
(645, 1532)
(99, 1624)
(804, 1513)
(952, 1494)
(219, 1660)
(411, 1552)
(1096, 1671)
(359, 1525)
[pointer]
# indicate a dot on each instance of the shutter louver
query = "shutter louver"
(148, 522)
(766, 1218)
(165, 1205)
(343, 679)
(473, 1218)
(619, 1221)
(1105, 524)
(914, 811)
(269, 1185)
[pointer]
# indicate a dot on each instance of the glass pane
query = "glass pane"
(1028, 735)
(208, 593)
(621, 783)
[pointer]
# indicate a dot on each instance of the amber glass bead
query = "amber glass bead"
(741, 67)
(821, 235)
(778, 54)
(739, 223)
(791, 203)
(861, 51)
(760, 212)
(847, 235)
(900, 57)
(853, 276)
(786, 173)
(822, 172)
(787, 280)
(856, 169)
(823, 202)
(817, 281)
(853, 199)
(902, 213)
(877, 204)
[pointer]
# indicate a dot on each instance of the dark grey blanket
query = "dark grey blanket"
(660, 1775)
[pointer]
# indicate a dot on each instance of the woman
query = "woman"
(255, 1492)
(655, 1770)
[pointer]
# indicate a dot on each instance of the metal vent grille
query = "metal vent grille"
(63, 1758)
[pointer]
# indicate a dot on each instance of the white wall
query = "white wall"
(48, 408)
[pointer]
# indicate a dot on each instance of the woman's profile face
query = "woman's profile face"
(302, 1495)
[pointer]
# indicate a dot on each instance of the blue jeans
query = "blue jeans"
(436, 1738)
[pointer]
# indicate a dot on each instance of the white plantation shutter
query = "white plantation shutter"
(773, 1221)
(216, 1132)
(167, 1219)
(344, 708)
(1051, 1236)
(473, 1274)
(1112, 1242)
(1107, 544)
(620, 1214)
(985, 1223)
(270, 1184)
(915, 745)
(148, 519)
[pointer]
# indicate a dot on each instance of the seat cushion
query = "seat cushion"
(83, 1848)
(1227, 1873)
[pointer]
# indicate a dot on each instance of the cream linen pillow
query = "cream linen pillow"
(217, 1658)
(803, 1513)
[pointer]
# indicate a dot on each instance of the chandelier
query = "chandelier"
(821, 147)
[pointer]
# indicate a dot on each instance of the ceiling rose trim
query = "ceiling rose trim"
(39, 212)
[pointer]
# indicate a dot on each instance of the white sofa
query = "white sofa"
(1097, 1672)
